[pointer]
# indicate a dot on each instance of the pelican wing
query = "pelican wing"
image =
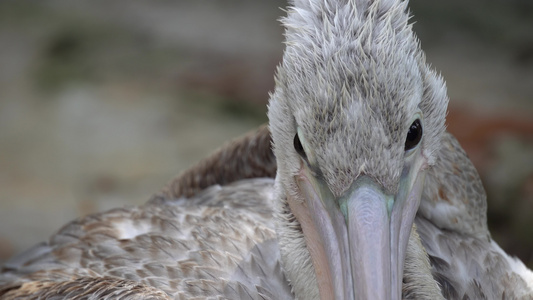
(452, 224)
(219, 243)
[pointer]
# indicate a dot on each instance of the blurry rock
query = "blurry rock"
(6, 249)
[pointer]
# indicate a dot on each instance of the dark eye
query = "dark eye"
(299, 148)
(414, 135)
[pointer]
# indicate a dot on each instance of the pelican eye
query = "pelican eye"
(299, 147)
(414, 135)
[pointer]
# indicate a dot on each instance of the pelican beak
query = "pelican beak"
(358, 241)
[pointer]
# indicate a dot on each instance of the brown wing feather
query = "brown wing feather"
(250, 156)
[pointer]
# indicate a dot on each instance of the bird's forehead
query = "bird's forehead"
(355, 113)
(358, 135)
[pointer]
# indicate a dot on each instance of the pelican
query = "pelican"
(371, 198)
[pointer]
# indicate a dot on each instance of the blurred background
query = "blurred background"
(103, 102)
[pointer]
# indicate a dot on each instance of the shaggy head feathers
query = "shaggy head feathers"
(352, 80)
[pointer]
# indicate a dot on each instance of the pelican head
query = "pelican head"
(356, 119)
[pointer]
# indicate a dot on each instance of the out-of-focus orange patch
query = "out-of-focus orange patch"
(476, 131)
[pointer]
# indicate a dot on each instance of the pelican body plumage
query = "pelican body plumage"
(353, 191)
